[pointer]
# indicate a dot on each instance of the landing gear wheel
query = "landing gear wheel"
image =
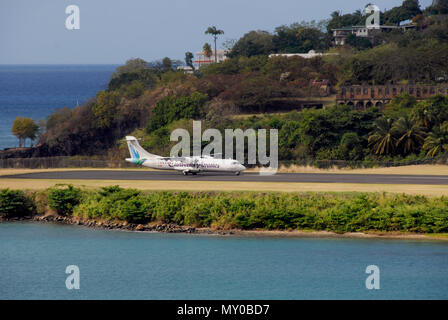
(185, 173)
(237, 173)
(194, 173)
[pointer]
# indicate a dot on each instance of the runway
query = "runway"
(244, 177)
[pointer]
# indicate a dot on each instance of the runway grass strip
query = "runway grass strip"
(40, 184)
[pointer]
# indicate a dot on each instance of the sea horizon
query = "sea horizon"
(37, 90)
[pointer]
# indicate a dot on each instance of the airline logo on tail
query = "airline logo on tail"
(136, 156)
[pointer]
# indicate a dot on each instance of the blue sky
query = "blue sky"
(33, 32)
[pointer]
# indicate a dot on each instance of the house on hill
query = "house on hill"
(202, 59)
(341, 34)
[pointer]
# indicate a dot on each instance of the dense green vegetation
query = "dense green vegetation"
(405, 131)
(338, 212)
(14, 203)
(63, 200)
(173, 108)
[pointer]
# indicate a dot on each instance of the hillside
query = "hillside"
(151, 99)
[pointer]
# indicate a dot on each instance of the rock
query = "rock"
(139, 227)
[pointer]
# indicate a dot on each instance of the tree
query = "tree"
(410, 135)
(431, 112)
(14, 203)
(133, 90)
(437, 140)
(411, 8)
(350, 146)
(215, 33)
(207, 50)
(408, 10)
(189, 59)
(30, 129)
(18, 130)
(392, 63)
(171, 108)
(300, 37)
(359, 43)
(401, 104)
(105, 108)
(310, 39)
(58, 117)
(24, 128)
(228, 44)
(440, 7)
(383, 139)
(351, 19)
(167, 64)
(253, 43)
(132, 65)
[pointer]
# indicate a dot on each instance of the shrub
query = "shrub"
(14, 203)
(63, 200)
(134, 209)
(133, 90)
(115, 203)
(337, 212)
(173, 108)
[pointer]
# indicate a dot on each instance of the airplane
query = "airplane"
(186, 165)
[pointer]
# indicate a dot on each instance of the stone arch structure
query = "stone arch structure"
(379, 104)
(368, 104)
(359, 105)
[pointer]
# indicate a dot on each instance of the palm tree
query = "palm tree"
(425, 115)
(410, 133)
(207, 49)
(437, 140)
(383, 138)
(214, 32)
(431, 111)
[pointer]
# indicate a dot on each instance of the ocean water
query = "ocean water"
(132, 265)
(36, 90)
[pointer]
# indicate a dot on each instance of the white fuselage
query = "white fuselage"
(183, 164)
(192, 164)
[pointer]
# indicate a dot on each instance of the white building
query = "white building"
(185, 69)
(340, 34)
(311, 54)
(202, 59)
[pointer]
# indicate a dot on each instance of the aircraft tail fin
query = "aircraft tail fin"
(136, 151)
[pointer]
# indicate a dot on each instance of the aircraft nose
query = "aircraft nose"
(242, 168)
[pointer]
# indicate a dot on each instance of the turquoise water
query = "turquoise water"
(35, 91)
(131, 265)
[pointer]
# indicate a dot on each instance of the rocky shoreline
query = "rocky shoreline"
(122, 225)
(173, 228)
